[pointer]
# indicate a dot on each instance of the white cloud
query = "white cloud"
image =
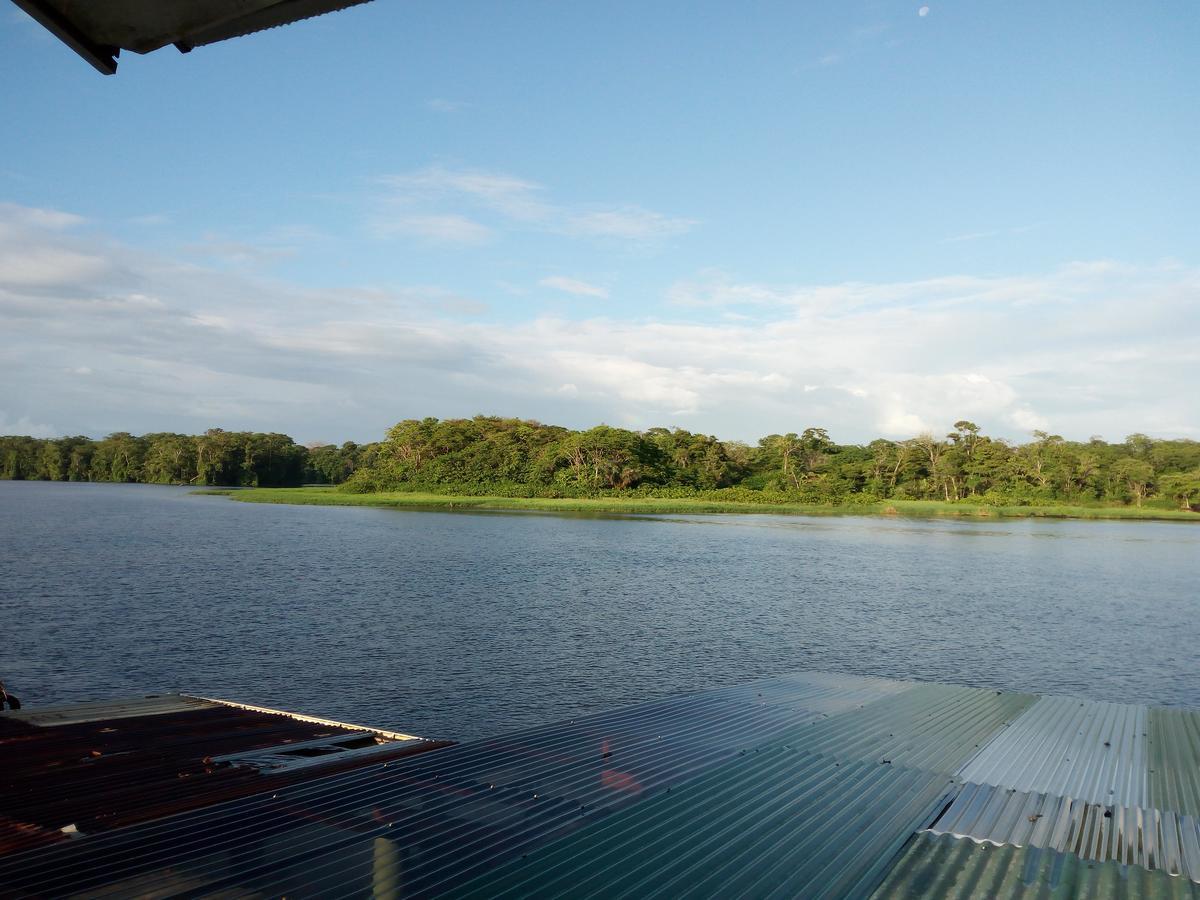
(445, 228)
(1095, 347)
(24, 426)
(442, 105)
(36, 253)
(35, 217)
(909, 404)
(855, 42)
(508, 195)
(204, 320)
(574, 286)
(990, 233)
(47, 266)
(970, 236)
(895, 422)
(629, 223)
(635, 382)
(226, 251)
(715, 289)
(439, 192)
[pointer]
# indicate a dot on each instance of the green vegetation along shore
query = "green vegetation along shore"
(642, 505)
(524, 464)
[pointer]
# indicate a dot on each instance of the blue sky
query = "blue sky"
(736, 219)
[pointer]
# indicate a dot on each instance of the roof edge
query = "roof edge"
(299, 717)
(101, 57)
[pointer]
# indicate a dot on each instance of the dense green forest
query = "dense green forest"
(242, 458)
(518, 458)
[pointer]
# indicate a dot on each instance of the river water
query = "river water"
(462, 625)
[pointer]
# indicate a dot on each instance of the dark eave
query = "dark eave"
(99, 31)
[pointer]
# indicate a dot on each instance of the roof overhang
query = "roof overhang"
(98, 30)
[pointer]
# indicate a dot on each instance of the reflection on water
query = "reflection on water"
(460, 624)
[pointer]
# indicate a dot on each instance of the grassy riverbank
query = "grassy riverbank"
(322, 496)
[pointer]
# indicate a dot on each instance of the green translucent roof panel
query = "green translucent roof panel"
(773, 823)
(1174, 760)
(933, 726)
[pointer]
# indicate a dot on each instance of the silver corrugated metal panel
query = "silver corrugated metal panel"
(102, 710)
(777, 823)
(1150, 838)
(953, 868)
(933, 726)
(1072, 748)
(1174, 745)
(461, 812)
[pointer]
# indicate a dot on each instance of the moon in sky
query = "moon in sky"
(923, 11)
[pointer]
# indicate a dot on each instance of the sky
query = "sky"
(740, 219)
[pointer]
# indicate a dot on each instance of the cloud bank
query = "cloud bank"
(101, 336)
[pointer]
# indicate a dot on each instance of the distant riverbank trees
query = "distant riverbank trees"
(217, 457)
(489, 455)
(525, 458)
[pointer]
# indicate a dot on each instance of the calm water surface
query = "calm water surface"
(462, 625)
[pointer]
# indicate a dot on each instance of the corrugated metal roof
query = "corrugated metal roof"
(948, 867)
(1150, 838)
(776, 823)
(1174, 759)
(1073, 748)
(463, 811)
(794, 785)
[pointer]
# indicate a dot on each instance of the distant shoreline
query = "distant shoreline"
(322, 496)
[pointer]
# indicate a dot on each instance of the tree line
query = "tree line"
(489, 454)
(518, 457)
(217, 457)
